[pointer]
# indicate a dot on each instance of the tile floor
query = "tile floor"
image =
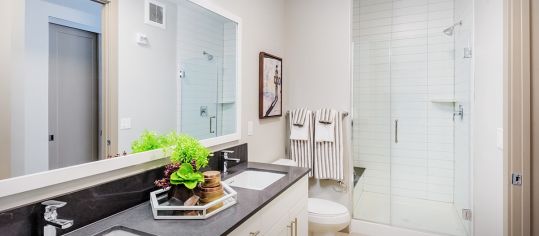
(416, 214)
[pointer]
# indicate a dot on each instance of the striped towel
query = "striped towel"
(299, 117)
(325, 116)
(329, 156)
(301, 151)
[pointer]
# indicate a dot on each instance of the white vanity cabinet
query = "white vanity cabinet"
(286, 215)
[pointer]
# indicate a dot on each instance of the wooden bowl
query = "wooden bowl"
(211, 178)
(210, 189)
(208, 197)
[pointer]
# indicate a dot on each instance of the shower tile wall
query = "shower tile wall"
(228, 86)
(402, 61)
(209, 83)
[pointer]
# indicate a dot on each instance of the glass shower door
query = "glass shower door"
(372, 112)
(199, 97)
(411, 158)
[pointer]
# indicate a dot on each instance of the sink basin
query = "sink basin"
(122, 231)
(254, 179)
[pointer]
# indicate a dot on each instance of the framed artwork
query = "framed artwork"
(270, 86)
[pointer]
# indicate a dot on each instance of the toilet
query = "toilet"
(326, 218)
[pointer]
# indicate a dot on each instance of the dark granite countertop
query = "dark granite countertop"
(249, 202)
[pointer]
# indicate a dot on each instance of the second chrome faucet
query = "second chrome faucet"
(226, 159)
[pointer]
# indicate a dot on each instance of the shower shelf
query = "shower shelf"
(443, 100)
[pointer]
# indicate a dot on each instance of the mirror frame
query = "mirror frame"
(25, 183)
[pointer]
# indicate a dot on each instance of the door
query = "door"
(73, 96)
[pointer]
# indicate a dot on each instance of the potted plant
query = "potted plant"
(187, 156)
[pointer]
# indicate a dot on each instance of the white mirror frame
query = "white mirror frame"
(30, 182)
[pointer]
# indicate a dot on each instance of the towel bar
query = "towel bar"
(344, 114)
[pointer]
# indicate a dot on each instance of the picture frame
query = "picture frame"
(270, 86)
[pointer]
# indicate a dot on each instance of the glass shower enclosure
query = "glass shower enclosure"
(206, 44)
(411, 121)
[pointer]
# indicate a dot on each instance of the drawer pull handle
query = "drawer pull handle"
(293, 227)
(295, 223)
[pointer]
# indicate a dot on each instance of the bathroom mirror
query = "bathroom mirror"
(82, 79)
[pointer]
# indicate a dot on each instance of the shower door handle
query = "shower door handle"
(212, 131)
(396, 131)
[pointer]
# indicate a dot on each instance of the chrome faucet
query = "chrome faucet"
(52, 223)
(226, 159)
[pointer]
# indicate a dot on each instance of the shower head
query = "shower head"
(208, 55)
(449, 31)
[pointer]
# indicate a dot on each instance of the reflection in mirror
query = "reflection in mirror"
(176, 76)
(173, 67)
(54, 96)
(207, 58)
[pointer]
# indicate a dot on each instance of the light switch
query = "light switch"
(142, 39)
(250, 128)
(499, 138)
(125, 123)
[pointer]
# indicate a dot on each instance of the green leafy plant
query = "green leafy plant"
(186, 149)
(148, 141)
(187, 176)
(187, 156)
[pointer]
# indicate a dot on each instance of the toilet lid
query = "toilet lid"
(325, 207)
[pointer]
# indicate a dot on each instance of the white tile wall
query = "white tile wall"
(402, 61)
(227, 96)
(209, 83)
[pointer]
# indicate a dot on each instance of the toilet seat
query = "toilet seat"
(322, 211)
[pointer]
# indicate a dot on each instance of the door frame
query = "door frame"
(517, 117)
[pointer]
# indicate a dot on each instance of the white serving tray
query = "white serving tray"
(163, 211)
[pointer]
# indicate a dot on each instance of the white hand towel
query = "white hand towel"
(324, 132)
(299, 132)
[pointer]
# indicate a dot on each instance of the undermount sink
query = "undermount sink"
(122, 231)
(254, 179)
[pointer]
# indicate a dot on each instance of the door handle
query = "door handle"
(396, 131)
(212, 131)
(254, 233)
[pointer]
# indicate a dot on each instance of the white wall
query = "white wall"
(317, 68)
(147, 73)
(488, 116)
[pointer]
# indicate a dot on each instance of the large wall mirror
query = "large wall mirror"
(87, 77)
